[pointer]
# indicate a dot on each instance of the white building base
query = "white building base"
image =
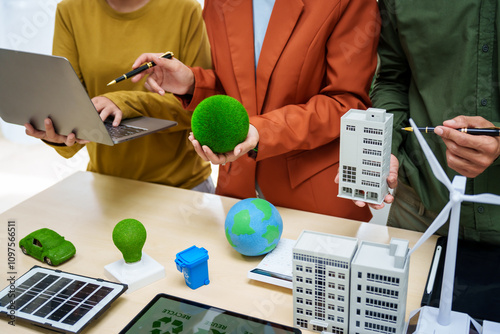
(491, 327)
(424, 321)
(136, 275)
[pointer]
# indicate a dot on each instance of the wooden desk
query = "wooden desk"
(85, 208)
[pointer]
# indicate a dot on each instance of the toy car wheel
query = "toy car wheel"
(47, 260)
(25, 252)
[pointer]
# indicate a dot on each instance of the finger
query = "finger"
(154, 86)
(104, 114)
(97, 104)
(49, 130)
(337, 177)
(377, 206)
(462, 166)
(239, 149)
(31, 131)
(468, 122)
(117, 119)
(215, 158)
(457, 122)
(144, 58)
(460, 139)
(392, 179)
(242, 149)
(199, 149)
(361, 204)
(136, 78)
(389, 199)
(70, 139)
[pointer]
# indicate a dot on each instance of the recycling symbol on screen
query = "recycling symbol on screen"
(165, 325)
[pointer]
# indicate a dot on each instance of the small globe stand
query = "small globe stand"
(136, 269)
(192, 263)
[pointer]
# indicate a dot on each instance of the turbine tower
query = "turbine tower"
(444, 320)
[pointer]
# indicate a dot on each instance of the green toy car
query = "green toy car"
(48, 246)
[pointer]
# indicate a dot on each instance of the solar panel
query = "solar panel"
(58, 300)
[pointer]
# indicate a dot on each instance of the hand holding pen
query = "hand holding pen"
(491, 131)
(466, 154)
(135, 71)
(169, 75)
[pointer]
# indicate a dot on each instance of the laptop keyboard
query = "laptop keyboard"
(122, 130)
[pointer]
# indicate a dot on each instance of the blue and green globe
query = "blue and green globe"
(253, 226)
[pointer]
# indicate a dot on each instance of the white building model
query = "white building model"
(365, 154)
(379, 285)
(341, 288)
(321, 268)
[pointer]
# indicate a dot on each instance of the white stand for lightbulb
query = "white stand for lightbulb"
(136, 275)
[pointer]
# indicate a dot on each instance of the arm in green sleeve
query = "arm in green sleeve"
(392, 82)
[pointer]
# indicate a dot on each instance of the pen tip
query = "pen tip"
(111, 83)
(407, 129)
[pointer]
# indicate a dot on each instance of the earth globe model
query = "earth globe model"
(253, 226)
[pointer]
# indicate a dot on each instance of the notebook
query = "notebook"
(276, 267)
(36, 86)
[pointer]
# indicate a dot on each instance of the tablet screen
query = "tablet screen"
(170, 314)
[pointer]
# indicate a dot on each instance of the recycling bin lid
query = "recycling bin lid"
(192, 256)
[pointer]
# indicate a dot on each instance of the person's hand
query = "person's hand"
(169, 75)
(50, 135)
(105, 107)
(392, 182)
(220, 159)
(469, 155)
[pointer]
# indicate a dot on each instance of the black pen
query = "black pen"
(493, 131)
(138, 70)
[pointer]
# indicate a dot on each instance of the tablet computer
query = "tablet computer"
(171, 314)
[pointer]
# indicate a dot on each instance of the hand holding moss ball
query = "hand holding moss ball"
(129, 236)
(220, 122)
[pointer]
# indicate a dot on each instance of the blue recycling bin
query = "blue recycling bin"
(193, 264)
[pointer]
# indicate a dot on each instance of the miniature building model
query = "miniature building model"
(379, 285)
(365, 154)
(321, 267)
(341, 288)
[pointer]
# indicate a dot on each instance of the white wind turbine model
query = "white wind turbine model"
(444, 320)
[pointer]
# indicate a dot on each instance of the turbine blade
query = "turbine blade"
(436, 224)
(482, 198)
(433, 162)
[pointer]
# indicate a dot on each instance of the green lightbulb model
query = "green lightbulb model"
(129, 236)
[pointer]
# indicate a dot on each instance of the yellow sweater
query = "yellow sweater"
(101, 44)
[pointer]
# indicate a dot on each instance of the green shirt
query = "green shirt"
(438, 60)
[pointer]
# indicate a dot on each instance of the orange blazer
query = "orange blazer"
(317, 62)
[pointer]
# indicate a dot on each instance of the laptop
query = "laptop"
(36, 86)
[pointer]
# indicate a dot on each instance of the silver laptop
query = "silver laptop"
(35, 86)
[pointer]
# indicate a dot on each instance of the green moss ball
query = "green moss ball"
(220, 122)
